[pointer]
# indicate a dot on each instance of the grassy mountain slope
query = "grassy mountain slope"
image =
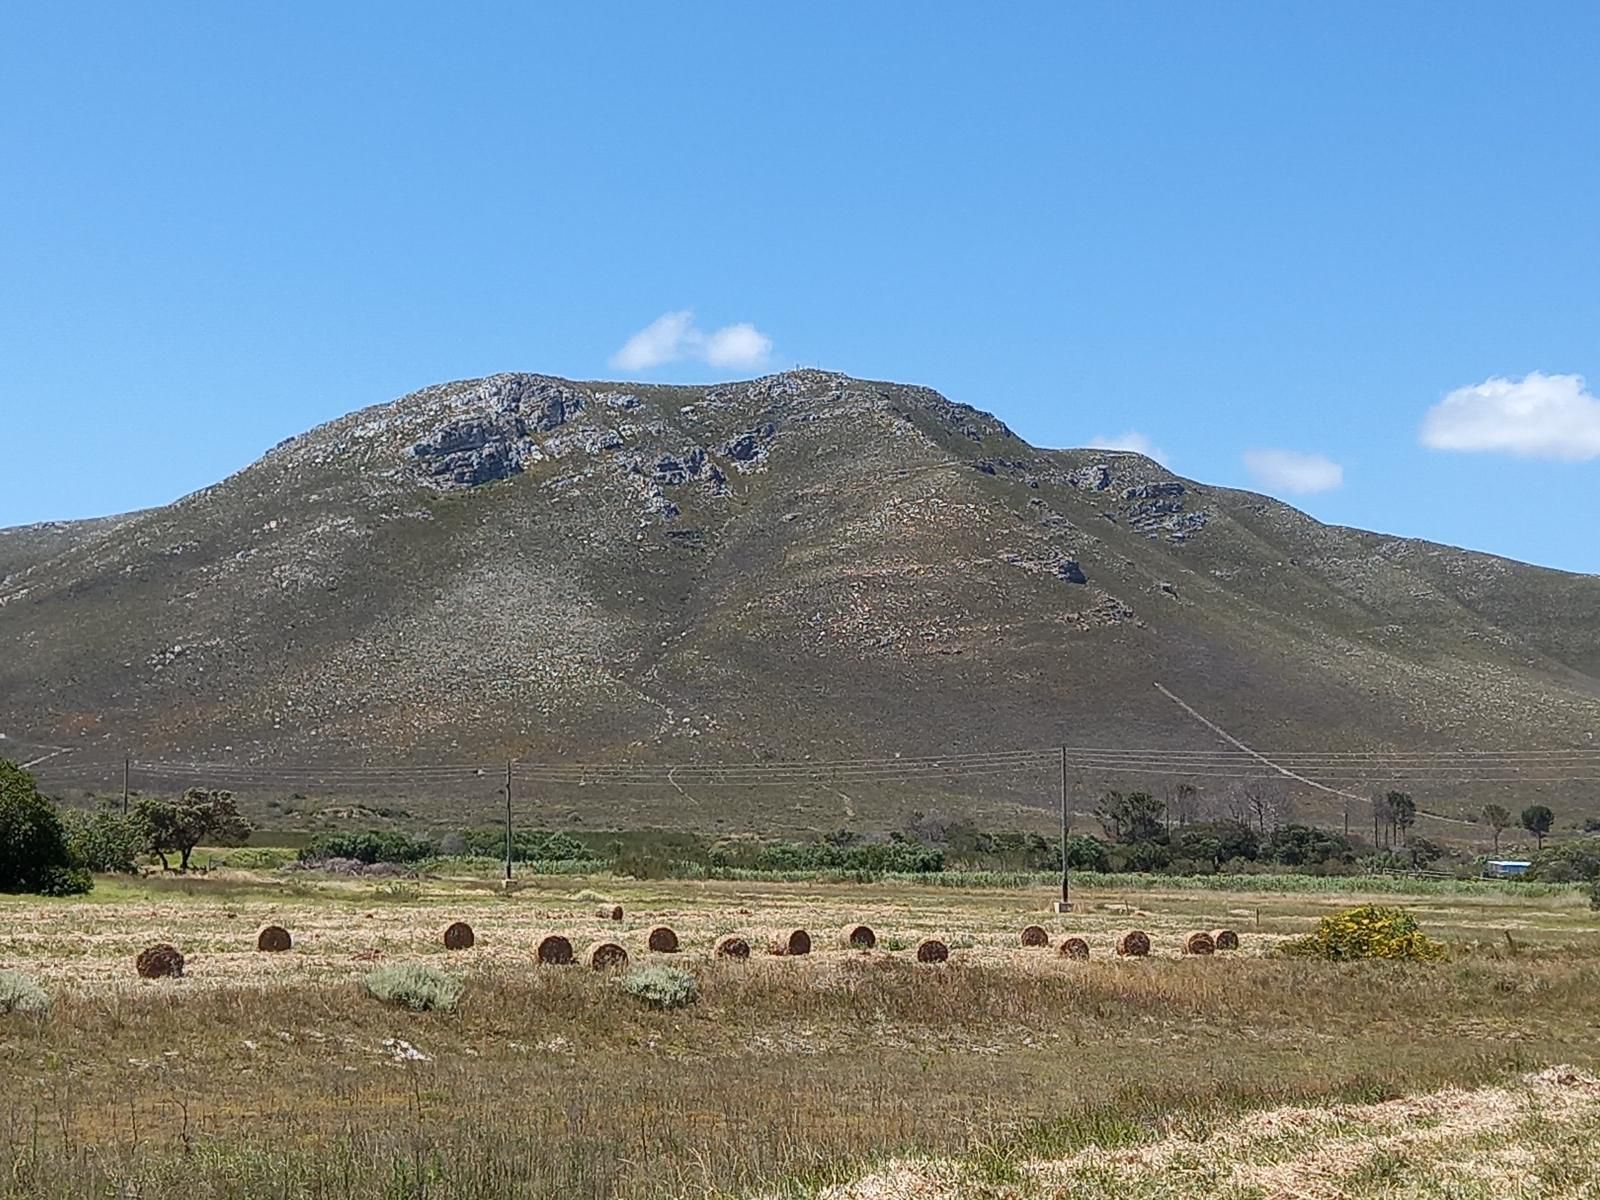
(805, 564)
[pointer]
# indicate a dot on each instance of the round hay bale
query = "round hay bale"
(793, 944)
(932, 950)
(1225, 939)
(1034, 936)
(459, 936)
(606, 956)
(733, 946)
(611, 912)
(554, 951)
(1073, 947)
(273, 939)
(1199, 943)
(663, 940)
(860, 937)
(1134, 944)
(160, 961)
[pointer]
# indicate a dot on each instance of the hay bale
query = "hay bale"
(554, 951)
(860, 937)
(733, 946)
(792, 944)
(611, 912)
(663, 940)
(932, 950)
(273, 939)
(1199, 943)
(1034, 936)
(1225, 939)
(459, 936)
(606, 956)
(1134, 944)
(1073, 947)
(160, 961)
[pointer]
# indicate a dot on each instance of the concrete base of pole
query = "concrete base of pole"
(1062, 906)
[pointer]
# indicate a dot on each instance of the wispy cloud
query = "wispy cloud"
(1292, 471)
(1133, 441)
(674, 337)
(1538, 416)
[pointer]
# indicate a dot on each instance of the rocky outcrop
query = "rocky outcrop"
(495, 439)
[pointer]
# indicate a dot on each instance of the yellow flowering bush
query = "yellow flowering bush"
(1371, 931)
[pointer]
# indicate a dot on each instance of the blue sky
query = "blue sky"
(1348, 255)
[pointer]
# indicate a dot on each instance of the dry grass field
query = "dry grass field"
(844, 1073)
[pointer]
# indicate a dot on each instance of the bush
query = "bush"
(20, 994)
(415, 987)
(527, 845)
(34, 855)
(370, 847)
(1576, 861)
(104, 840)
(1371, 931)
(662, 987)
(897, 855)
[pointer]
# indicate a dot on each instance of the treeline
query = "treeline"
(53, 851)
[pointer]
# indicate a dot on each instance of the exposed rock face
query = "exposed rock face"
(496, 441)
(748, 451)
(1096, 478)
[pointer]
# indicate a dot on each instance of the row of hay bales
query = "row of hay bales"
(164, 960)
(1133, 944)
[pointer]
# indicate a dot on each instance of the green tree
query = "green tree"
(34, 855)
(1423, 853)
(1403, 812)
(1537, 819)
(103, 841)
(178, 826)
(1136, 817)
(1498, 820)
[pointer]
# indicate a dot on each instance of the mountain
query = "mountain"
(800, 565)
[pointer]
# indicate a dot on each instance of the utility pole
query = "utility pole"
(508, 820)
(126, 759)
(1064, 905)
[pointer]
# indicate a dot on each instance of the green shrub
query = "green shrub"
(34, 854)
(414, 986)
(875, 857)
(370, 847)
(20, 994)
(104, 840)
(527, 845)
(662, 987)
(1572, 861)
(1371, 931)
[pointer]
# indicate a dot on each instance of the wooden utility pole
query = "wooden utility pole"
(508, 820)
(1065, 903)
(126, 762)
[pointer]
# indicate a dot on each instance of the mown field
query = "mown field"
(846, 1072)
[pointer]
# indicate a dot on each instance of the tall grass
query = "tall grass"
(784, 1075)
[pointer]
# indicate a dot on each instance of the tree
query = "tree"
(1403, 812)
(103, 841)
(178, 826)
(1537, 819)
(1382, 819)
(1136, 817)
(1423, 853)
(1498, 820)
(34, 855)
(1184, 804)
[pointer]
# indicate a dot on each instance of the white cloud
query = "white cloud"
(1539, 416)
(1133, 441)
(1292, 471)
(673, 337)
